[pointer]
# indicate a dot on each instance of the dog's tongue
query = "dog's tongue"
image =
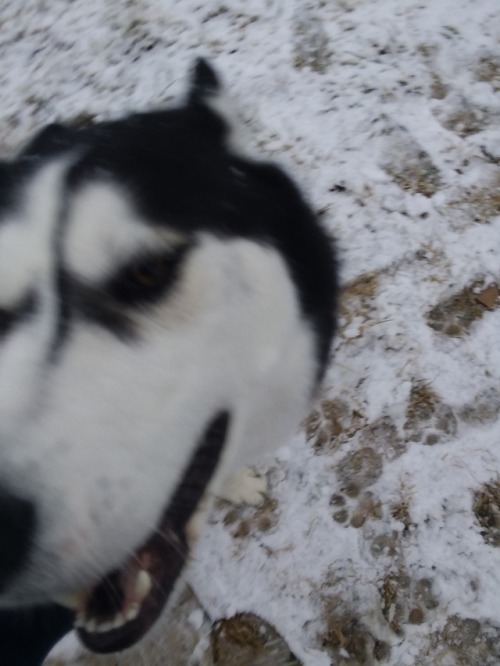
(121, 608)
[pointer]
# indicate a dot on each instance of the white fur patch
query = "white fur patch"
(27, 238)
(104, 232)
(27, 252)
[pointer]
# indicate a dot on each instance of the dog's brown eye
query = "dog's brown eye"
(146, 278)
(150, 272)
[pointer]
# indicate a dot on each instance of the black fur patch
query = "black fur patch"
(13, 317)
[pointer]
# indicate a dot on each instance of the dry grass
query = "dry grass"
(486, 507)
(480, 204)
(465, 122)
(247, 640)
(455, 315)
(347, 639)
(488, 70)
(419, 176)
(421, 403)
(331, 423)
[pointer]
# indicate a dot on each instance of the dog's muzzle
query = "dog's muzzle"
(117, 610)
(122, 607)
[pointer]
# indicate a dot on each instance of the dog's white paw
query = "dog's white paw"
(244, 487)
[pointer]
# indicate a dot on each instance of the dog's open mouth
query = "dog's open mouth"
(121, 608)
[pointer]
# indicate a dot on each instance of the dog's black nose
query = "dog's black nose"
(17, 527)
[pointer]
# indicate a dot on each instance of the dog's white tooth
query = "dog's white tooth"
(132, 612)
(119, 621)
(91, 626)
(143, 585)
(103, 627)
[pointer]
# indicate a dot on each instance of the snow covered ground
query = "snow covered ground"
(379, 542)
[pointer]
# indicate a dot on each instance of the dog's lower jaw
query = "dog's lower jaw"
(116, 612)
(122, 607)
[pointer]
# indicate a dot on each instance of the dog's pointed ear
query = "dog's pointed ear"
(205, 83)
(207, 98)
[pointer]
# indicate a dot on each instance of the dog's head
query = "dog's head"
(146, 284)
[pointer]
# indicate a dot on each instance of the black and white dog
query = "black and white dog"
(166, 313)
